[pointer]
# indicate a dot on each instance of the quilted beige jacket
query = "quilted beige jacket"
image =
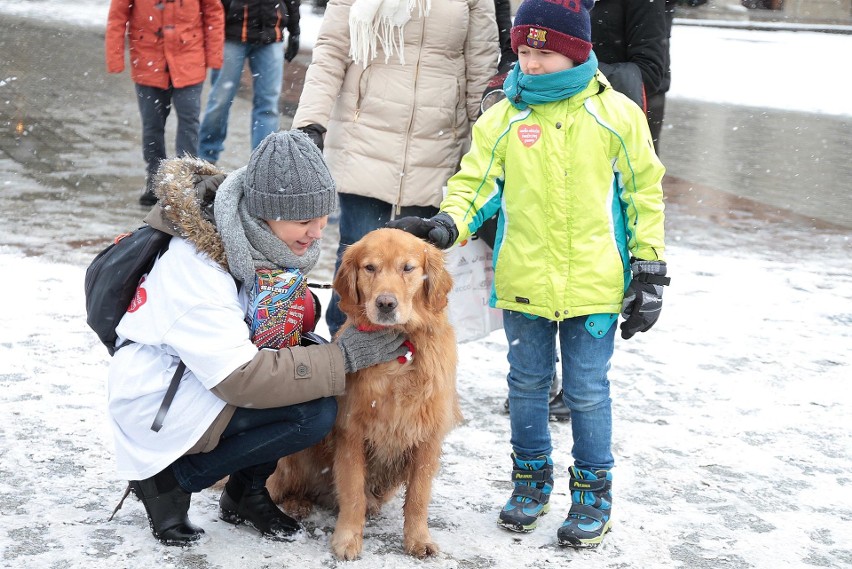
(396, 132)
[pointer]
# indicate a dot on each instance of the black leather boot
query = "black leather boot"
(246, 500)
(148, 197)
(167, 506)
(557, 410)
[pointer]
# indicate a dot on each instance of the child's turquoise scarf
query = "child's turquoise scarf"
(525, 90)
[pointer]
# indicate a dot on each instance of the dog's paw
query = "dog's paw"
(299, 508)
(374, 506)
(421, 548)
(346, 545)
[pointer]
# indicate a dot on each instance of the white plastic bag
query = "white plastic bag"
(470, 264)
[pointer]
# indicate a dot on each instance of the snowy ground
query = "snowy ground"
(732, 416)
(731, 435)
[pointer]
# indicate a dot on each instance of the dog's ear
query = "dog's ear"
(439, 282)
(346, 281)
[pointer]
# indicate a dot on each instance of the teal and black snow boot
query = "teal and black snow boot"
(591, 509)
(530, 499)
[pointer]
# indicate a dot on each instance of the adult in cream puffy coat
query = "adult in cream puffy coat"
(398, 116)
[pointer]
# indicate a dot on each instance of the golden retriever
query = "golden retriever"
(393, 418)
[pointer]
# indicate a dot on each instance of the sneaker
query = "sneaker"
(557, 410)
(531, 497)
(591, 507)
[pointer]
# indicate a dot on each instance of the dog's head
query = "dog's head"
(391, 278)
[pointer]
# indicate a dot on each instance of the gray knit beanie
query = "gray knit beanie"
(287, 178)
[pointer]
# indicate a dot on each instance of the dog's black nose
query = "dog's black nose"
(386, 303)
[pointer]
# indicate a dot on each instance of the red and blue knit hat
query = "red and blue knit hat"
(562, 26)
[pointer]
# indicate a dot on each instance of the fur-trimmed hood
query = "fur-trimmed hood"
(186, 189)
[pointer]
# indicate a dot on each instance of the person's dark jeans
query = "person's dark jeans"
(358, 216)
(154, 107)
(256, 437)
(656, 114)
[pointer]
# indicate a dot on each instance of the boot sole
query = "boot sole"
(168, 542)
(235, 519)
(590, 543)
(520, 528)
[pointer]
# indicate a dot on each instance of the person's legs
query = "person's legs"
(187, 102)
(267, 70)
(224, 84)
(248, 451)
(656, 113)
(585, 363)
(358, 216)
(531, 364)
(257, 437)
(154, 107)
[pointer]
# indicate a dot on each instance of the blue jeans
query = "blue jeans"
(155, 104)
(254, 440)
(585, 363)
(266, 62)
(358, 216)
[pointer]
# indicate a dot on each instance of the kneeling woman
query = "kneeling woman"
(228, 301)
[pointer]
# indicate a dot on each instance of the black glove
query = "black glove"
(440, 230)
(315, 131)
(643, 299)
(292, 48)
(493, 93)
(365, 349)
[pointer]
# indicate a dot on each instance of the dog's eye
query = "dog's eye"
(370, 268)
(408, 268)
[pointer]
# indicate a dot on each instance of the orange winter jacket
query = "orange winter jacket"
(171, 41)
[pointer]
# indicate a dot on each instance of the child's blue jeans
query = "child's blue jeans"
(585, 362)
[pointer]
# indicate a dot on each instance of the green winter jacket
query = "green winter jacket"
(577, 188)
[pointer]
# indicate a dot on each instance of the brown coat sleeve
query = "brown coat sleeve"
(277, 378)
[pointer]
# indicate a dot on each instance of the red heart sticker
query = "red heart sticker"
(529, 134)
(139, 298)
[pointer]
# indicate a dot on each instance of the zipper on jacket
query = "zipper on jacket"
(360, 94)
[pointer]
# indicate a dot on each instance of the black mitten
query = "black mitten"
(643, 299)
(439, 230)
(315, 132)
(292, 48)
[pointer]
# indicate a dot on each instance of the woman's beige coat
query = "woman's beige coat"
(396, 132)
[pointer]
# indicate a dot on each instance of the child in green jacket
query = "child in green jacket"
(568, 165)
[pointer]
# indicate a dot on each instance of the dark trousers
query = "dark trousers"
(656, 113)
(254, 441)
(358, 216)
(154, 107)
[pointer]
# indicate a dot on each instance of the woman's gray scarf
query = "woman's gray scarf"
(249, 242)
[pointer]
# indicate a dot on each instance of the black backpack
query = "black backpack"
(113, 276)
(110, 283)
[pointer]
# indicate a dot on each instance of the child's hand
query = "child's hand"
(643, 299)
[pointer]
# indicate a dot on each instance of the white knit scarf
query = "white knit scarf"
(380, 21)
